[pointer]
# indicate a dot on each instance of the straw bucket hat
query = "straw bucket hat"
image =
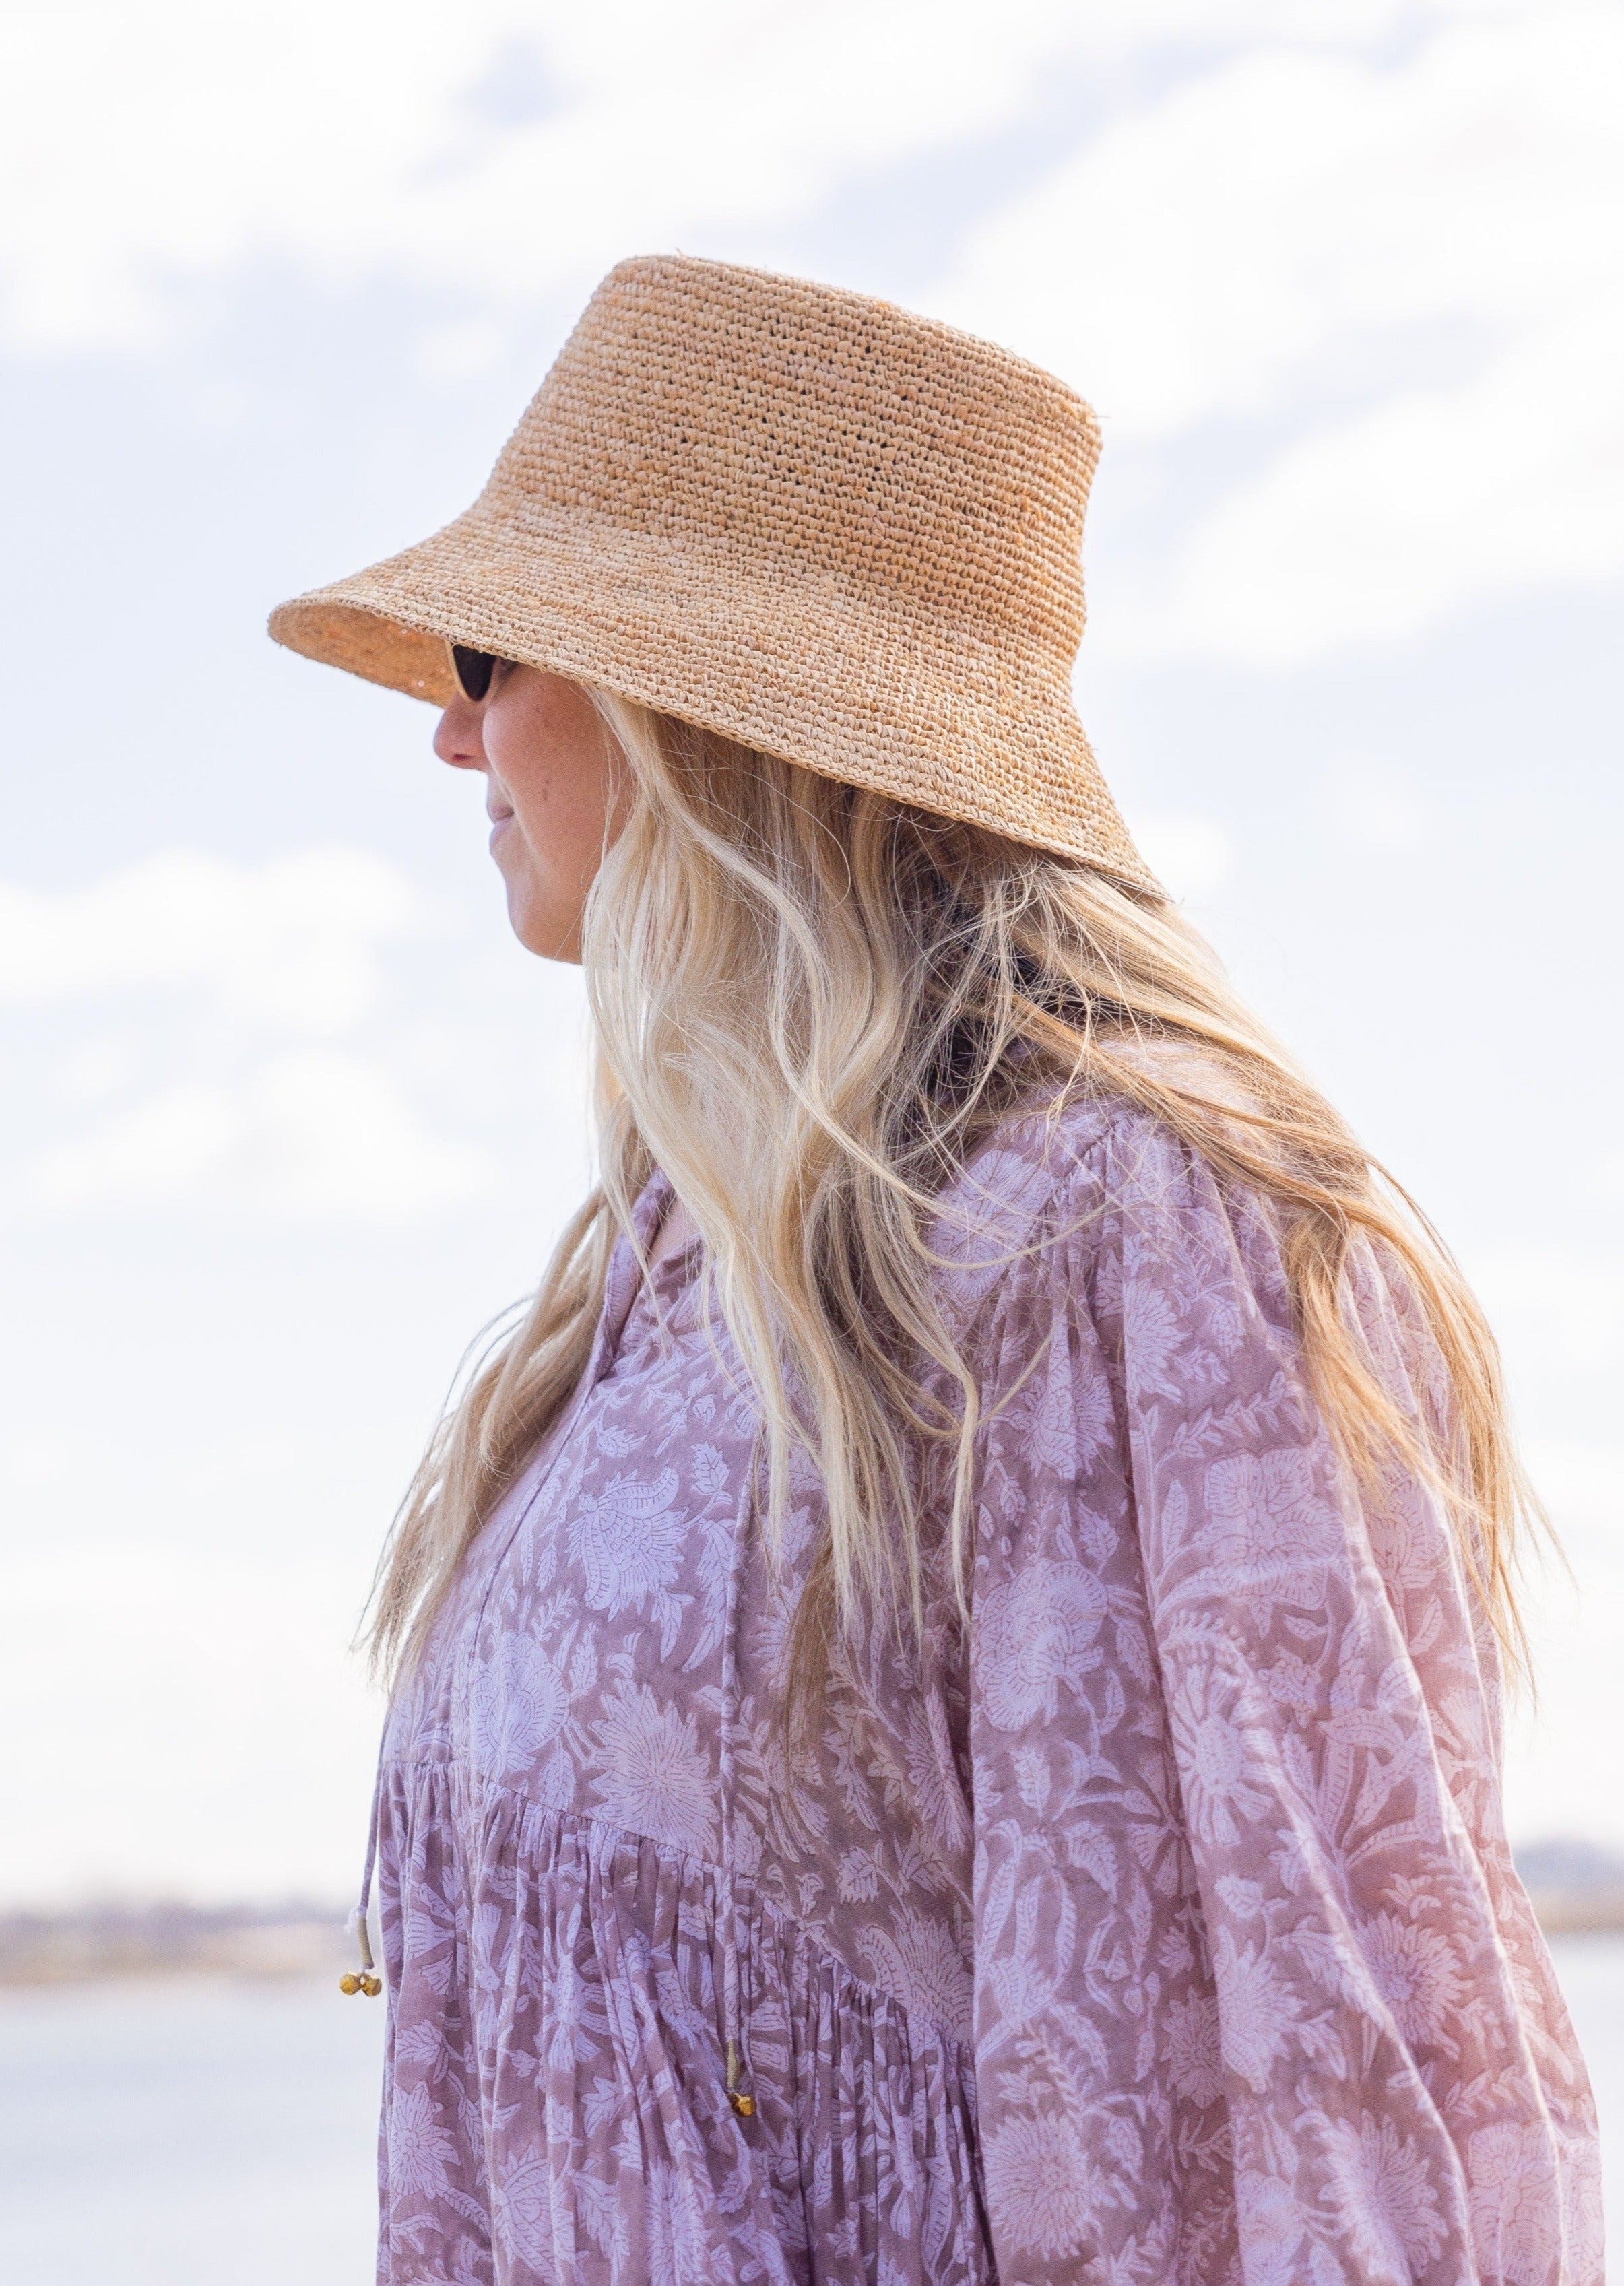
(833, 530)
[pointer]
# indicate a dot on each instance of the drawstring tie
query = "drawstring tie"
(365, 1978)
(735, 2038)
(735, 2044)
(619, 1288)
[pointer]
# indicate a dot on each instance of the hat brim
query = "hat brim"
(783, 659)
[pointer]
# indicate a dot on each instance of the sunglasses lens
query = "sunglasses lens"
(474, 670)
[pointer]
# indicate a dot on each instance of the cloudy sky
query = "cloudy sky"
(286, 1117)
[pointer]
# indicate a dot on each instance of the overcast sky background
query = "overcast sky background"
(287, 1117)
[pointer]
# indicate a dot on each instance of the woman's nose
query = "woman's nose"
(457, 738)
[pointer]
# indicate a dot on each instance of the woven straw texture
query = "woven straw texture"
(834, 531)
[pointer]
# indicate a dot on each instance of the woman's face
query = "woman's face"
(552, 792)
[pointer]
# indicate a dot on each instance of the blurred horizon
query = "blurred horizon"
(289, 1117)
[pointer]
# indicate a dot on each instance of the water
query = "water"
(1592, 1973)
(201, 2132)
(188, 2131)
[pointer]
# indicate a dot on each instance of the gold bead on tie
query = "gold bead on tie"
(740, 2098)
(364, 1979)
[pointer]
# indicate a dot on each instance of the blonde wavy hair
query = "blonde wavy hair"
(811, 1002)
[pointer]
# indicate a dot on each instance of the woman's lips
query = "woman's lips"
(501, 821)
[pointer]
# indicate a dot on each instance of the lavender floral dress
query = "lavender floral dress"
(1163, 1929)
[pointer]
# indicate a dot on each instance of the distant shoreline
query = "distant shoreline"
(302, 1939)
(1577, 1912)
(298, 1939)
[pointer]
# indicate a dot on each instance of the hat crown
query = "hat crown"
(865, 447)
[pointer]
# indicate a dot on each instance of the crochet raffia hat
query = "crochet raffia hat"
(833, 530)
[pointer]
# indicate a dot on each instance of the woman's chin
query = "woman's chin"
(541, 926)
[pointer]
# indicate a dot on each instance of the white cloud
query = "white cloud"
(509, 147)
(1384, 236)
(178, 136)
(1188, 854)
(234, 1058)
(1556, 1309)
(1561, 1775)
(1583, 1484)
(229, 1731)
(293, 943)
(1290, 240)
(1373, 806)
(1375, 529)
(161, 1149)
(1235, 243)
(313, 1135)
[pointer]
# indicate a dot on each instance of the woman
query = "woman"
(948, 1676)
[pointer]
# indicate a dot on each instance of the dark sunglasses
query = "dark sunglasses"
(473, 670)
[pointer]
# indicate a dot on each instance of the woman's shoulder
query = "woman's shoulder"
(1045, 1191)
(1089, 1180)
(1094, 1207)
(1066, 1148)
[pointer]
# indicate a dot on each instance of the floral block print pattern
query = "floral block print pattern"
(1159, 1925)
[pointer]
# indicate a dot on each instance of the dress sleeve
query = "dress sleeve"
(1258, 1994)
